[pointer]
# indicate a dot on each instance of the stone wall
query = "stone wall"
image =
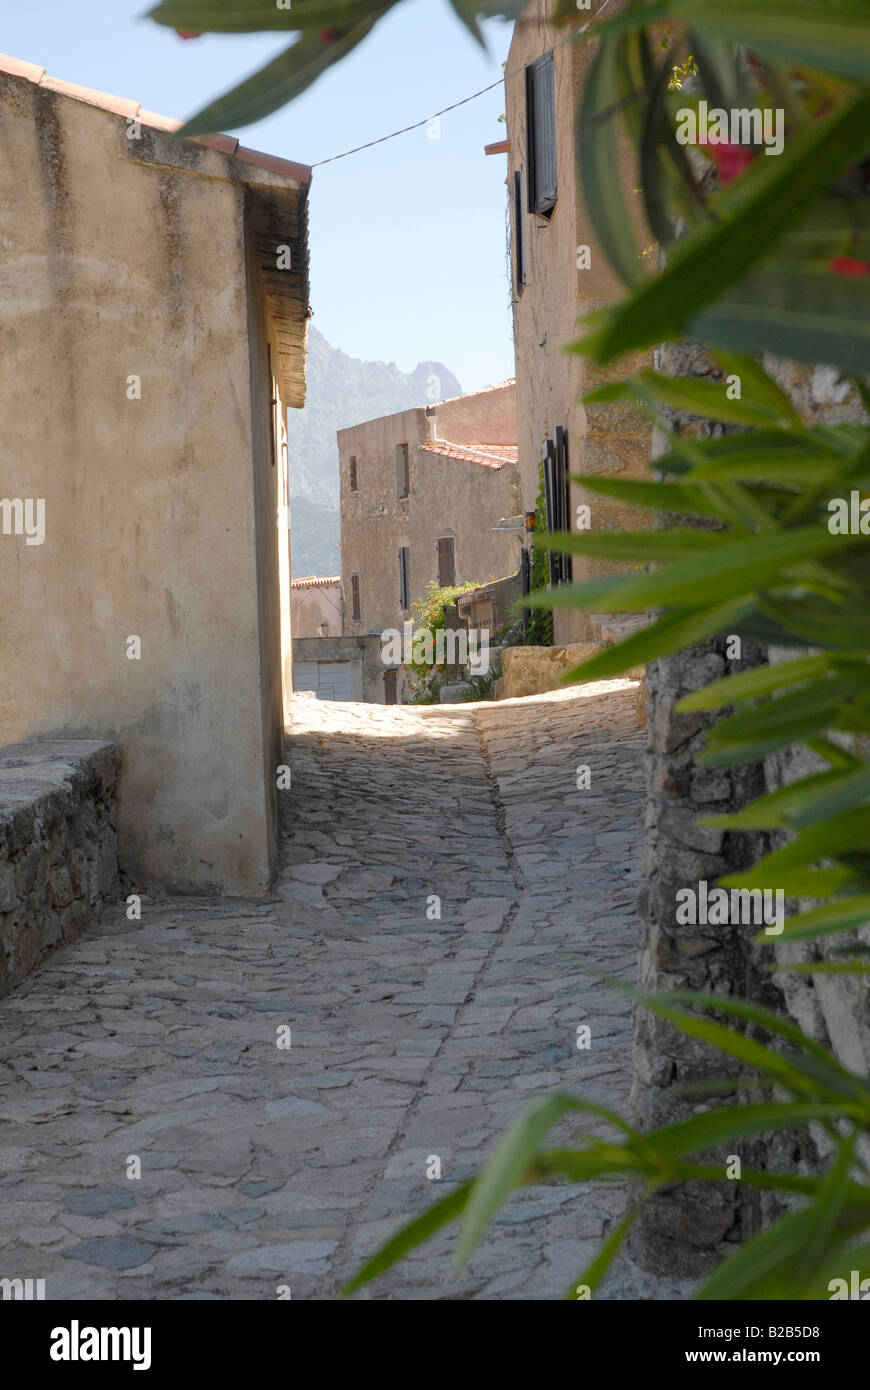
(58, 846)
(685, 1230)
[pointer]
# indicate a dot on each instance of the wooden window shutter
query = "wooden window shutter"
(446, 566)
(541, 133)
(403, 475)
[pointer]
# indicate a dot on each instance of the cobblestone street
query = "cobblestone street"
(413, 1035)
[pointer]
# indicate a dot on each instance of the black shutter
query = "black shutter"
(519, 234)
(563, 498)
(541, 134)
(354, 597)
(557, 496)
(404, 578)
(550, 503)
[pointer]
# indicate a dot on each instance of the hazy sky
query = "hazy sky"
(407, 240)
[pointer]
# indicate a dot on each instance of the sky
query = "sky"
(407, 240)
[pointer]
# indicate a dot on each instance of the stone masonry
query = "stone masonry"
(58, 847)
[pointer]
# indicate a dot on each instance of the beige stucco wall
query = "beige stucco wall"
(160, 512)
(610, 439)
(462, 500)
(482, 417)
(316, 605)
(448, 497)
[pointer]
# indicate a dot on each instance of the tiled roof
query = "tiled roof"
(121, 106)
(314, 581)
(487, 455)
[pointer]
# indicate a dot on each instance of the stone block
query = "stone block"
(535, 670)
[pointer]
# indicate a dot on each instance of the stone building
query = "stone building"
(558, 274)
(316, 606)
(153, 298)
(421, 492)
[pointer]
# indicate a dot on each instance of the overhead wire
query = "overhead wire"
(456, 104)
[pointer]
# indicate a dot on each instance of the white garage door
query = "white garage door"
(330, 680)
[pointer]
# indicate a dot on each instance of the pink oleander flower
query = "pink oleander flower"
(849, 265)
(730, 160)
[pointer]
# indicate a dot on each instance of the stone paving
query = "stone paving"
(413, 1036)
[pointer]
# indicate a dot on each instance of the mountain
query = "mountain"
(346, 391)
(314, 534)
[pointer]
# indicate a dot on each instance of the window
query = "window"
(404, 578)
(353, 476)
(403, 472)
(558, 500)
(519, 234)
(355, 611)
(446, 567)
(541, 134)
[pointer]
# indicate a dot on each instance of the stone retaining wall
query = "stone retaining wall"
(58, 846)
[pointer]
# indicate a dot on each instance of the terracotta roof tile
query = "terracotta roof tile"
(487, 455)
(159, 122)
(315, 581)
(227, 144)
(122, 106)
(17, 68)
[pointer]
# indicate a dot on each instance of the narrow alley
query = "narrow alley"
(413, 1035)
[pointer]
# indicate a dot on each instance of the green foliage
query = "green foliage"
(425, 676)
(480, 687)
(325, 32)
